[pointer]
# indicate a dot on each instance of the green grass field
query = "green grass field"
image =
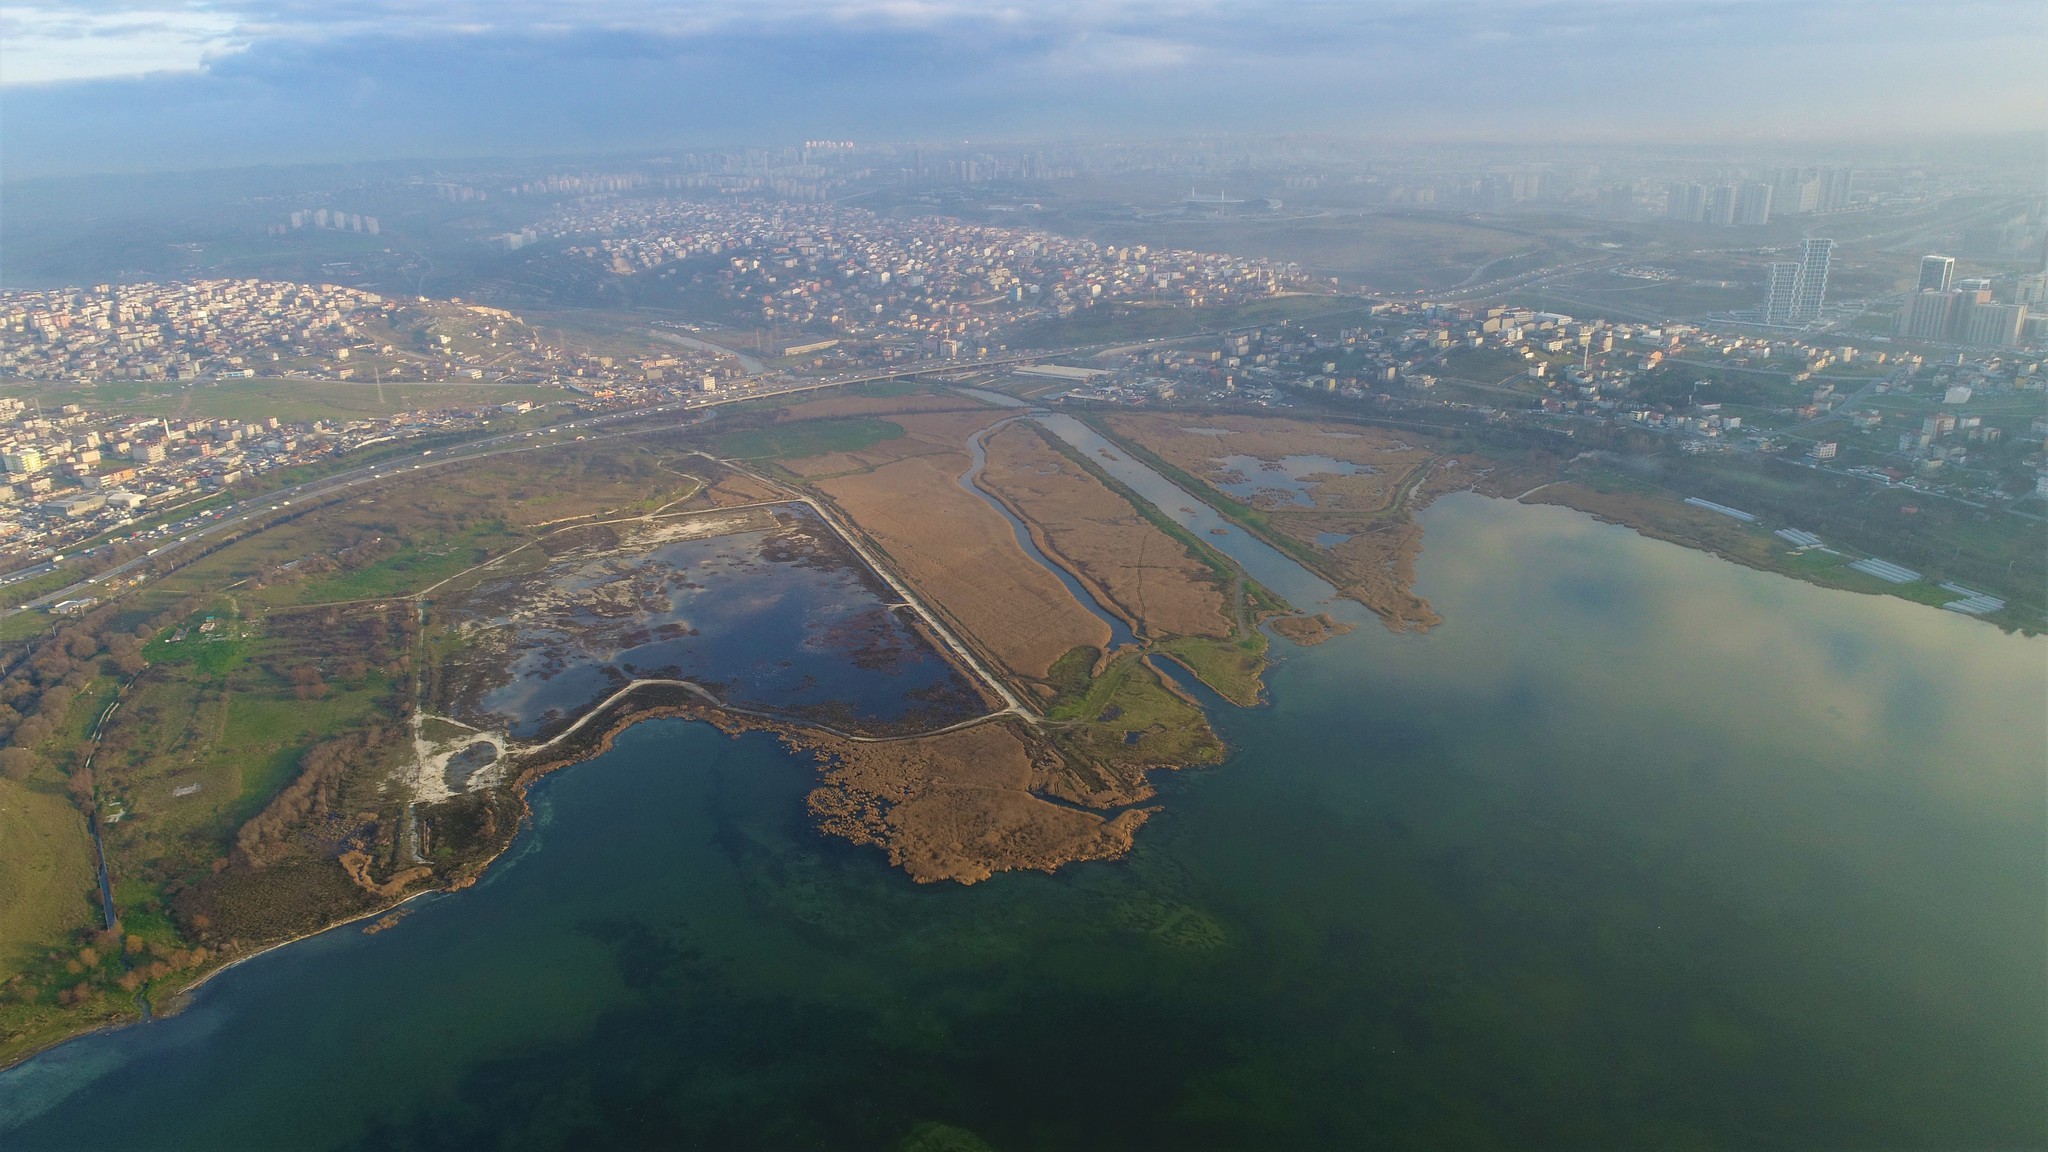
(46, 866)
(1233, 668)
(23, 625)
(411, 569)
(1129, 715)
(807, 438)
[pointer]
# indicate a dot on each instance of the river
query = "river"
(1260, 560)
(977, 449)
(1639, 848)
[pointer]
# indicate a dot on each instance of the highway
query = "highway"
(258, 508)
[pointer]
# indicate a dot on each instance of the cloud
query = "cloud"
(45, 45)
(297, 79)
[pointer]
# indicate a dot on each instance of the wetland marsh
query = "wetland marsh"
(1639, 848)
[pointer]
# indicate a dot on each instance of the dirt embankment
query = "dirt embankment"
(959, 806)
(952, 546)
(1133, 568)
(1351, 520)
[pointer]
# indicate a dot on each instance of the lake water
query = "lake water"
(1289, 478)
(784, 620)
(1638, 849)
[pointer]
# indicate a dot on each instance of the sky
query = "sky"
(153, 84)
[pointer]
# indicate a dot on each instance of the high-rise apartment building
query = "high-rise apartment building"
(1688, 203)
(1835, 187)
(1753, 204)
(1812, 287)
(1937, 273)
(1965, 315)
(1616, 201)
(1796, 191)
(1989, 325)
(1721, 204)
(1795, 291)
(1778, 292)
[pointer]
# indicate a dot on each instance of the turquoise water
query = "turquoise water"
(1639, 849)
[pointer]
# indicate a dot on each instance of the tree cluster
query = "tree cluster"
(267, 837)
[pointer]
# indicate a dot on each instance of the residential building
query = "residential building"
(1753, 204)
(1937, 273)
(1811, 290)
(1836, 185)
(1929, 315)
(1991, 325)
(1779, 290)
(1688, 203)
(1721, 204)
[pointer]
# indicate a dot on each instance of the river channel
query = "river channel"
(1261, 561)
(977, 447)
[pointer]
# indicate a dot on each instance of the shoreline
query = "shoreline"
(1650, 531)
(181, 999)
(589, 737)
(596, 733)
